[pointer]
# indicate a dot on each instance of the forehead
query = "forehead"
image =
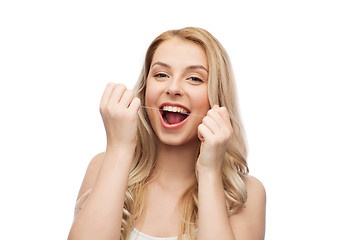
(178, 52)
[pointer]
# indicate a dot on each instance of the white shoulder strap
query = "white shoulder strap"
(81, 202)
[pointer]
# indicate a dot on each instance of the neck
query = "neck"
(175, 165)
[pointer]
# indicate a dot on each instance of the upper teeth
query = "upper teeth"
(174, 109)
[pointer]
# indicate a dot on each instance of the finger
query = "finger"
(107, 93)
(223, 112)
(135, 104)
(204, 132)
(221, 115)
(223, 123)
(213, 114)
(117, 93)
(126, 98)
(216, 106)
(210, 123)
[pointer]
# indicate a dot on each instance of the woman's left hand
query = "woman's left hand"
(214, 132)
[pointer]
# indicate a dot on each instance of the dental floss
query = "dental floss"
(180, 113)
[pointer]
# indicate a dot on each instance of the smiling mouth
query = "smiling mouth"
(173, 114)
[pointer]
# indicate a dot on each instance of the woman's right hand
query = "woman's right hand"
(119, 108)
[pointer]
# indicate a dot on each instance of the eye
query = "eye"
(195, 80)
(160, 75)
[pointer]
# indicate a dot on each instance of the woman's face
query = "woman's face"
(177, 84)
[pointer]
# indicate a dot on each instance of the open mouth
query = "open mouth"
(173, 114)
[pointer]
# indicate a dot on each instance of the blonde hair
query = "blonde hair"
(221, 91)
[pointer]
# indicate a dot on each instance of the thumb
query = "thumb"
(199, 134)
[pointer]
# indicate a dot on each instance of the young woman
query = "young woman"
(175, 163)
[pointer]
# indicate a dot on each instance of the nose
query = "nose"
(174, 88)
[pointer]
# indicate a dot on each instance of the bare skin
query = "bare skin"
(171, 179)
(248, 224)
(107, 174)
(179, 75)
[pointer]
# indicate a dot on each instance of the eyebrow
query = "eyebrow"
(188, 68)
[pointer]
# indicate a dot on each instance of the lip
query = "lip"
(172, 126)
(174, 105)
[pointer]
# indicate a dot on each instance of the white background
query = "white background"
(293, 64)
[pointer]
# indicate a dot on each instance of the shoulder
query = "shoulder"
(256, 200)
(95, 162)
(249, 222)
(254, 187)
(91, 173)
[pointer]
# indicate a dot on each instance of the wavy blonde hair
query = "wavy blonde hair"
(221, 91)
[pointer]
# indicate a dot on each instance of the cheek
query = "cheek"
(150, 101)
(151, 95)
(201, 101)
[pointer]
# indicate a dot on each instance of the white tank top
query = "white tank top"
(136, 235)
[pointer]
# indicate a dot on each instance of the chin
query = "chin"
(178, 141)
